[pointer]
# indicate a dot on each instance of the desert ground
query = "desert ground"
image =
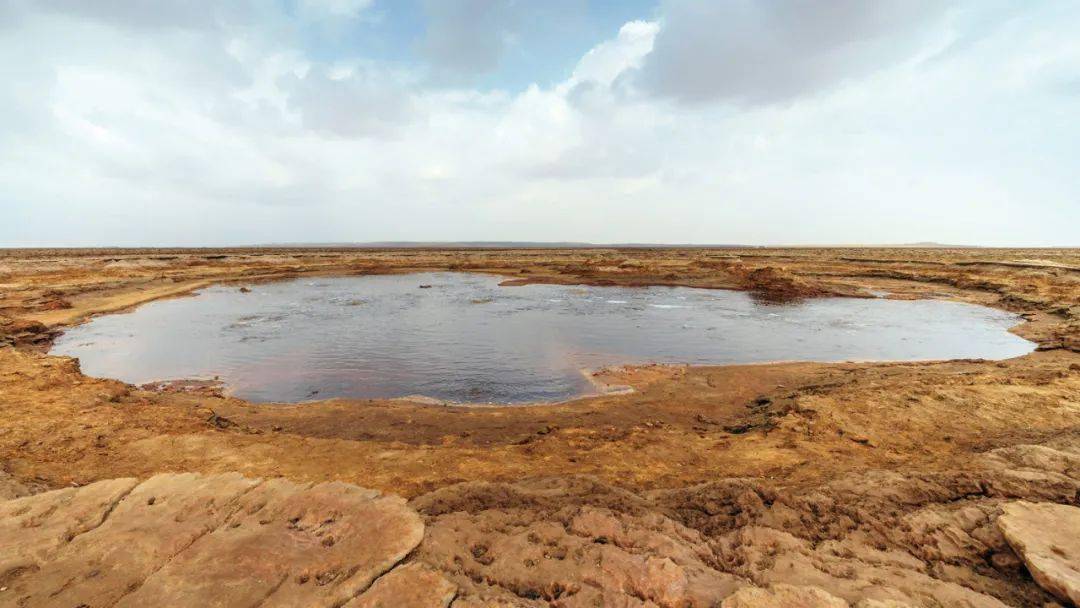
(794, 484)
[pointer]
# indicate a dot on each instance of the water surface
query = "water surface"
(464, 338)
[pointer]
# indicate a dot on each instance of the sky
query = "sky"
(767, 122)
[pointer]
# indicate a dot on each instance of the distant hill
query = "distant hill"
(933, 245)
(495, 245)
(581, 245)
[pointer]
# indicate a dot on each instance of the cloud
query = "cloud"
(465, 38)
(120, 127)
(333, 8)
(355, 102)
(193, 14)
(603, 132)
(765, 51)
(608, 60)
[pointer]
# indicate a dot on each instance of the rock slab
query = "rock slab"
(1046, 536)
(194, 540)
(410, 585)
(783, 596)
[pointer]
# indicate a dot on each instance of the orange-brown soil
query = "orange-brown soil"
(869, 481)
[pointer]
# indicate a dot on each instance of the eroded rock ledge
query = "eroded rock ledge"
(870, 539)
(966, 538)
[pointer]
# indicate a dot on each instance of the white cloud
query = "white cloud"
(333, 8)
(119, 128)
(608, 60)
(357, 101)
(756, 51)
(464, 38)
(169, 14)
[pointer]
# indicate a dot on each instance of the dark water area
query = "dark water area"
(463, 338)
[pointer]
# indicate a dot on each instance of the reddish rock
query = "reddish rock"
(24, 332)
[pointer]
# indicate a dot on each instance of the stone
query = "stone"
(1046, 536)
(34, 528)
(782, 596)
(572, 555)
(194, 540)
(409, 586)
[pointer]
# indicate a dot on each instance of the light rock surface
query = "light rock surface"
(1047, 538)
(192, 540)
(874, 539)
(410, 585)
(783, 596)
(33, 529)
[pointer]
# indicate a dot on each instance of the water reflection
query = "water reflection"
(466, 339)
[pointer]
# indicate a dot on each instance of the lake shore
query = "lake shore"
(850, 476)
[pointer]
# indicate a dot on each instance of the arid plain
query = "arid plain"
(854, 483)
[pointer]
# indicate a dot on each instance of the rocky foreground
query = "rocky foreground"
(227, 540)
(921, 484)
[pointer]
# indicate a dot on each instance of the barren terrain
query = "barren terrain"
(864, 482)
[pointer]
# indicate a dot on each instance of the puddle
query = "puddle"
(463, 338)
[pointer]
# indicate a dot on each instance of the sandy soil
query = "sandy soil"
(866, 480)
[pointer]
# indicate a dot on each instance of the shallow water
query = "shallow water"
(466, 339)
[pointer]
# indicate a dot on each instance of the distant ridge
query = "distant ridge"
(493, 245)
(933, 245)
(511, 245)
(584, 245)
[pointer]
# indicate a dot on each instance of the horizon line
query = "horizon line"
(482, 244)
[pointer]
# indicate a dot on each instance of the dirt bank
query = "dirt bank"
(866, 480)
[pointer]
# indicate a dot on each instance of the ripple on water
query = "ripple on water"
(467, 339)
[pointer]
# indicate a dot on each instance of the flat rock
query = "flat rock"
(34, 528)
(412, 585)
(783, 596)
(1046, 536)
(194, 540)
